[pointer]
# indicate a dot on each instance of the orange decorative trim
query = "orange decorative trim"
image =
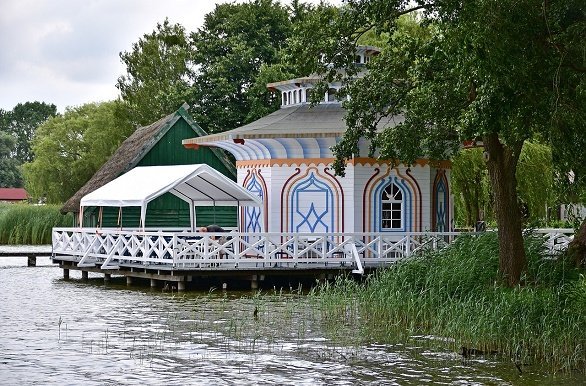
(284, 162)
(363, 161)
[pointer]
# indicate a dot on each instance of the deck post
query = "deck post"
(107, 277)
(32, 261)
(153, 283)
(84, 275)
(254, 282)
(128, 280)
(181, 285)
(65, 274)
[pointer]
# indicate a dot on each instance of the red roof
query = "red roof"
(13, 194)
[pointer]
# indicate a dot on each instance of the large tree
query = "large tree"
(21, 122)
(70, 148)
(158, 73)
(230, 48)
(501, 72)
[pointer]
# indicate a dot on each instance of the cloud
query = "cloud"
(66, 52)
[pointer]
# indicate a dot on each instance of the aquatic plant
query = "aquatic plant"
(30, 224)
(455, 294)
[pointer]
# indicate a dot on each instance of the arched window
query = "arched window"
(307, 94)
(290, 98)
(332, 94)
(300, 99)
(284, 99)
(294, 97)
(392, 205)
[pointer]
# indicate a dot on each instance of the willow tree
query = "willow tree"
(500, 72)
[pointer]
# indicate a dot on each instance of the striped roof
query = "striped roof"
(299, 131)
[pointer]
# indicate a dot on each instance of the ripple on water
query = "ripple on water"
(69, 332)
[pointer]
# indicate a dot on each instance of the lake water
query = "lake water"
(56, 332)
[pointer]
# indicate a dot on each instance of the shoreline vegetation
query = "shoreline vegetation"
(30, 224)
(451, 299)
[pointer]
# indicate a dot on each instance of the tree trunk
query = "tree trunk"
(502, 165)
(577, 248)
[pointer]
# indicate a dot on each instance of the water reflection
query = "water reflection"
(70, 332)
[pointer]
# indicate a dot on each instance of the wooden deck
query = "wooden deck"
(185, 257)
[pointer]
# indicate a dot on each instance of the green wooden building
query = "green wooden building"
(157, 144)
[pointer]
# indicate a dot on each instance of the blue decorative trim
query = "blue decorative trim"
(252, 214)
(441, 210)
(407, 215)
(312, 218)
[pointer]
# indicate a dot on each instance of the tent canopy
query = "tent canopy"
(199, 185)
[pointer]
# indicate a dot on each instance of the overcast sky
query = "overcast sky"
(66, 51)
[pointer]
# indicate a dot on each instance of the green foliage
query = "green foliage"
(470, 186)
(30, 224)
(535, 187)
(22, 122)
(535, 180)
(10, 176)
(158, 73)
(229, 50)
(70, 148)
(453, 294)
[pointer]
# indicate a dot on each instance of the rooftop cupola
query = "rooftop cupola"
(297, 91)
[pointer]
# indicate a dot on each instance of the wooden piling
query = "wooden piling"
(128, 280)
(65, 274)
(254, 282)
(153, 283)
(32, 261)
(181, 285)
(107, 277)
(84, 275)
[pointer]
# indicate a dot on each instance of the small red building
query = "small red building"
(13, 195)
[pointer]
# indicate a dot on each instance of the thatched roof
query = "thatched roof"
(132, 150)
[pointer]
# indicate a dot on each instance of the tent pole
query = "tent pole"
(192, 215)
(100, 213)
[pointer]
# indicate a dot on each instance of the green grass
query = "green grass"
(454, 295)
(30, 224)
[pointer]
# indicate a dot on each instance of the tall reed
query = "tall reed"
(30, 224)
(454, 294)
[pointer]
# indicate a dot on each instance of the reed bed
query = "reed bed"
(453, 298)
(30, 224)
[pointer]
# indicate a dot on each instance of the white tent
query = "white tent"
(198, 185)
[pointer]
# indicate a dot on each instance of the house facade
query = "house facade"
(285, 158)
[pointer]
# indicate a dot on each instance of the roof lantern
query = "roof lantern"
(295, 92)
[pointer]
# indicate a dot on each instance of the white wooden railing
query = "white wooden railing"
(110, 248)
